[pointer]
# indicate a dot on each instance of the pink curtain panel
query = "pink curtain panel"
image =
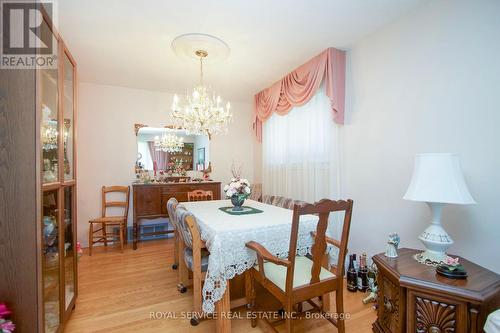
(299, 86)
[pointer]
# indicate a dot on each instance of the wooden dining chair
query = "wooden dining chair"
(200, 195)
(171, 207)
(300, 279)
(195, 257)
(106, 221)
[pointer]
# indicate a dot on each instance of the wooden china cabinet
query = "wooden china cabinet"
(185, 156)
(38, 263)
(57, 257)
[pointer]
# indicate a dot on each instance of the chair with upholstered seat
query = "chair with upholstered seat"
(200, 195)
(106, 221)
(304, 279)
(195, 258)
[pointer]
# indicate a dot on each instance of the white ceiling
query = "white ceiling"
(127, 42)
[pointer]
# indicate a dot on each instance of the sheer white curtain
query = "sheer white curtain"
(300, 153)
(143, 149)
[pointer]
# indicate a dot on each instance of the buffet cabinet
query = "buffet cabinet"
(413, 298)
(150, 200)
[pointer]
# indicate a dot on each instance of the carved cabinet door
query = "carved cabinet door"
(428, 313)
(391, 309)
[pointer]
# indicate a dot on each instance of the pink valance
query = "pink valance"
(299, 86)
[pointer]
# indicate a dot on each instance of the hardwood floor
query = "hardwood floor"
(118, 292)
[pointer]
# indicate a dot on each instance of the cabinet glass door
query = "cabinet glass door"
(50, 261)
(69, 248)
(68, 127)
(49, 131)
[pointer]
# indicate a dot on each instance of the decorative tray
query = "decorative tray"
(457, 273)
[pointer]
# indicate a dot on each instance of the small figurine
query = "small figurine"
(391, 250)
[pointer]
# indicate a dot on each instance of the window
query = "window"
(300, 155)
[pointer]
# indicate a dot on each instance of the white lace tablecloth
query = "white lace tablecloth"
(226, 235)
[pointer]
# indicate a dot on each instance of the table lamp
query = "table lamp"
(437, 180)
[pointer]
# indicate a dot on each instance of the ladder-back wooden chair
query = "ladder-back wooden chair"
(106, 221)
(300, 279)
(200, 195)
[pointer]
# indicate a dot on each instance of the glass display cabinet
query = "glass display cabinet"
(56, 104)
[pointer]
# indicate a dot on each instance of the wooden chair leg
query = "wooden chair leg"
(125, 233)
(91, 237)
(326, 301)
(197, 286)
(104, 234)
(121, 236)
(339, 304)
(182, 273)
(288, 317)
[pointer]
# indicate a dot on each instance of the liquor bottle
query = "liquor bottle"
(362, 274)
(351, 275)
(372, 277)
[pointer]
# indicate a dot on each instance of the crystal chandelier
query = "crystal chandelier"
(203, 112)
(169, 143)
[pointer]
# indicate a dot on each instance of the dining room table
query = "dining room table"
(225, 233)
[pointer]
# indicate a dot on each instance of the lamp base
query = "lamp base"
(435, 239)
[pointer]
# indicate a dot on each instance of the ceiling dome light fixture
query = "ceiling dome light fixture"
(203, 112)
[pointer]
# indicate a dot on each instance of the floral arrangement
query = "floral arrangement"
(6, 325)
(239, 187)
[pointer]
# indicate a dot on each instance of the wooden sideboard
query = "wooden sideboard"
(150, 200)
(414, 298)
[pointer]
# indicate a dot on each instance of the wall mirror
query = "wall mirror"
(173, 152)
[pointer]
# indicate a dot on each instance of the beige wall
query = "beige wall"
(428, 82)
(107, 144)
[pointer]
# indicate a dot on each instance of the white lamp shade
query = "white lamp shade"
(438, 178)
